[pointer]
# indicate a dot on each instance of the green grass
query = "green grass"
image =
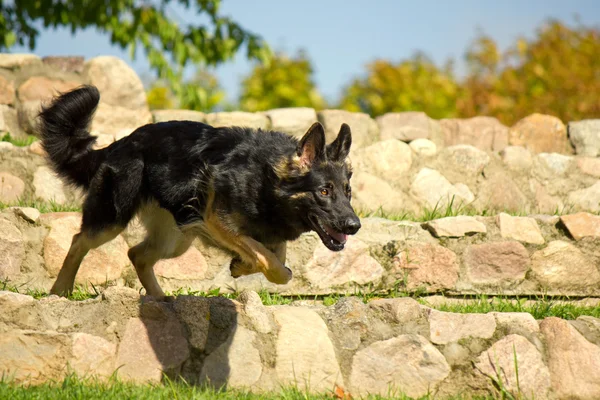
(73, 388)
(451, 209)
(20, 142)
(426, 214)
(542, 307)
(42, 206)
(539, 307)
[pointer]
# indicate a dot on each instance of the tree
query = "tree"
(283, 82)
(557, 73)
(210, 94)
(168, 45)
(416, 84)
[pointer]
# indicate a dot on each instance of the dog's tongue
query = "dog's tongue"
(340, 237)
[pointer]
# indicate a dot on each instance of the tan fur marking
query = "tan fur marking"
(250, 251)
(81, 244)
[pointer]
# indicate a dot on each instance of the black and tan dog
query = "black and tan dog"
(245, 191)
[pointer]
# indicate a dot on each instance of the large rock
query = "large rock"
(150, 347)
(12, 250)
(48, 186)
(42, 89)
(541, 134)
(523, 229)
(118, 84)
(589, 165)
(517, 366)
(587, 199)
(31, 357)
(74, 64)
(484, 133)
(305, 355)
(238, 118)
(517, 158)
(92, 355)
(9, 122)
(191, 265)
(293, 121)
(585, 137)
(116, 120)
(17, 60)
(433, 190)
(500, 192)
(27, 116)
(364, 129)
(11, 188)
(557, 164)
(521, 323)
(371, 193)
(236, 362)
(105, 263)
(465, 159)
(406, 364)
(574, 362)
(426, 265)
(7, 91)
(255, 311)
(455, 226)
(408, 126)
(582, 225)
(498, 264)
(423, 147)
(178, 115)
(562, 266)
(388, 159)
(447, 327)
(354, 265)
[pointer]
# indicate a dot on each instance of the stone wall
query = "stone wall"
(456, 255)
(404, 162)
(387, 347)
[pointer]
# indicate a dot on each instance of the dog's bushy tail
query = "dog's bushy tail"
(64, 132)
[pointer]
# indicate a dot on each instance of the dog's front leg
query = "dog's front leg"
(239, 268)
(270, 261)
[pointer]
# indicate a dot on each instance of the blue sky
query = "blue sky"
(342, 36)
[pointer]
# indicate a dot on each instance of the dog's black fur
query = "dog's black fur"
(263, 185)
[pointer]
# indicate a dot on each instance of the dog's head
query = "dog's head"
(317, 181)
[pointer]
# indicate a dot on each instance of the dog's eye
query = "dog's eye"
(325, 192)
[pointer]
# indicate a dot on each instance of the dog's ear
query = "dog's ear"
(339, 149)
(312, 145)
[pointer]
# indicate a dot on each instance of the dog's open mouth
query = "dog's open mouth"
(331, 238)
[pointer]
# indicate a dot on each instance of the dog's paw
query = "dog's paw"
(281, 276)
(238, 268)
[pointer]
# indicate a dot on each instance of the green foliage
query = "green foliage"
(201, 93)
(160, 97)
(20, 142)
(283, 82)
(168, 45)
(556, 73)
(416, 84)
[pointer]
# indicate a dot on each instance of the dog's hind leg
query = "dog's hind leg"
(82, 242)
(109, 206)
(163, 240)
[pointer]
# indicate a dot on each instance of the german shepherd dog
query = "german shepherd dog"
(245, 191)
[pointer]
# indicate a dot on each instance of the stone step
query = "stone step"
(526, 256)
(386, 346)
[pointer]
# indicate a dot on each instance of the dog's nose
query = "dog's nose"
(352, 225)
